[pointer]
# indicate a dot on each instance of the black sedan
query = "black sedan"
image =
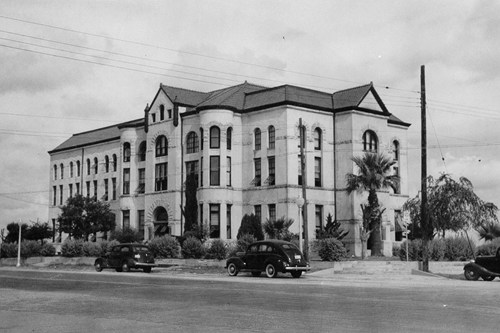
(484, 267)
(123, 257)
(270, 256)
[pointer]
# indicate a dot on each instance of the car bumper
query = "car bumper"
(297, 268)
(143, 264)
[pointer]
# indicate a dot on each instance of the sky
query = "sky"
(72, 66)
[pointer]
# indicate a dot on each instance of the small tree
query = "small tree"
(39, 231)
(250, 224)
(13, 232)
(278, 229)
(190, 210)
(127, 235)
(333, 229)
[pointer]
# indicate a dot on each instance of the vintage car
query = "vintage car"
(270, 256)
(123, 257)
(484, 267)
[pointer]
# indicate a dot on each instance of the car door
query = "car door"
(251, 257)
(114, 259)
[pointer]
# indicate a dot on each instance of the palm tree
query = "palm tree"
(489, 231)
(374, 174)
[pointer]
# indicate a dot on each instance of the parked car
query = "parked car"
(270, 256)
(123, 257)
(485, 267)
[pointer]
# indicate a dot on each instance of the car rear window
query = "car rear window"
(141, 249)
(289, 247)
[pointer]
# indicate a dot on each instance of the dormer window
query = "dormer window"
(162, 112)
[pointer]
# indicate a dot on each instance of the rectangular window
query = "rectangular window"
(319, 220)
(95, 189)
(126, 181)
(106, 190)
(192, 169)
(169, 113)
(70, 190)
(113, 183)
(54, 195)
(126, 219)
(161, 180)
(153, 117)
(78, 168)
(87, 185)
(258, 140)
(142, 181)
(77, 189)
(228, 221)
(271, 180)
(214, 170)
(397, 187)
(162, 114)
(317, 171)
(200, 209)
(272, 212)
(60, 194)
(228, 171)
(257, 171)
(398, 224)
(258, 211)
(214, 221)
(140, 216)
(201, 172)
(299, 171)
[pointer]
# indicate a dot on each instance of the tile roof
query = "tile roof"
(352, 97)
(184, 96)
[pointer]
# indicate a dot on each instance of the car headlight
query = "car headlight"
(137, 256)
(472, 261)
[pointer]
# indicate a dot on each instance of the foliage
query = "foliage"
(72, 248)
(38, 231)
(216, 250)
(82, 216)
(126, 235)
(106, 246)
(251, 224)
(165, 247)
(243, 242)
(278, 229)
(13, 232)
(331, 249)
(190, 210)
(458, 249)
(8, 250)
(451, 249)
(488, 249)
(489, 231)
(374, 173)
(202, 232)
(30, 248)
(47, 250)
(192, 248)
(91, 249)
(333, 229)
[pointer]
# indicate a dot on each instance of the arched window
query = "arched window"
(62, 171)
(318, 137)
(161, 222)
(271, 137)
(71, 169)
(192, 144)
(214, 137)
(55, 172)
(162, 112)
(161, 146)
(106, 162)
(395, 150)
(142, 151)
(370, 141)
(126, 152)
(88, 166)
(115, 163)
(201, 138)
(78, 168)
(96, 165)
(257, 138)
(229, 138)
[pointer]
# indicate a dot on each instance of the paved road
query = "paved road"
(65, 301)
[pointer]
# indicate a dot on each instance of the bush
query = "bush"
(395, 250)
(192, 248)
(30, 248)
(9, 250)
(251, 224)
(451, 249)
(242, 244)
(488, 249)
(127, 235)
(106, 246)
(72, 248)
(458, 249)
(216, 250)
(47, 250)
(165, 247)
(414, 250)
(331, 249)
(91, 249)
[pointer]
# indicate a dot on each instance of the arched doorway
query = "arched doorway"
(161, 222)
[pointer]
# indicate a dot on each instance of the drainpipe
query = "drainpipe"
(176, 114)
(334, 164)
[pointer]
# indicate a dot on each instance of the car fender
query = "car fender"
(237, 261)
(103, 262)
(277, 262)
(480, 269)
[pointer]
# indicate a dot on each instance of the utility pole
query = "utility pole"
(303, 169)
(424, 217)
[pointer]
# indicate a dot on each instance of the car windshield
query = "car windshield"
(289, 247)
(140, 249)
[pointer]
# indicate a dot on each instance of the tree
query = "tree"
(250, 224)
(190, 210)
(39, 231)
(333, 229)
(489, 231)
(278, 229)
(13, 232)
(83, 216)
(127, 235)
(374, 173)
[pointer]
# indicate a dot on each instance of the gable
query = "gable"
(371, 103)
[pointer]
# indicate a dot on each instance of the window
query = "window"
(126, 181)
(257, 139)
(126, 152)
(396, 186)
(317, 171)
(228, 221)
(200, 209)
(55, 172)
(62, 171)
(142, 151)
(214, 221)
(257, 169)
(95, 189)
(106, 163)
(271, 137)
(70, 190)
(192, 144)
(78, 168)
(229, 138)
(272, 212)
(370, 141)
(96, 165)
(201, 172)
(113, 184)
(214, 170)
(318, 136)
(258, 211)
(162, 112)
(142, 181)
(77, 189)
(87, 185)
(106, 190)
(201, 138)
(395, 150)
(115, 163)
(161, 177)
(88, 166)
(398, 225)
(54, 195)
(161, 146)
(319, 220)
(271, 180)
(228, 171)
(60, 194)
(192, 170)
(140, 216)
(214, 137)
(70, 169)
(153, 117)
(126, 219)
(169, 113)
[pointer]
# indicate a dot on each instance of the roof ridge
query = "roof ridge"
(190, 90)
(107, 127)
(362, 86)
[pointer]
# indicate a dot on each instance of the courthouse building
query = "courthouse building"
(242, 144)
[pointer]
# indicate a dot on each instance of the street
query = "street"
(66, 301)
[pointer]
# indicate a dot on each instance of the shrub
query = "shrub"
(192, 248)
(457, 249)
(106, 246)
(395, 250)
(251, 224)
(243, 242)
(30, 248)
(127, 235)
(47, 250)
(331, 249)
(165, 247)
(488, 249)
(414, 250)
(216, 250)
(91, 249)
(72, 248)
(9, 250)
(436, 248)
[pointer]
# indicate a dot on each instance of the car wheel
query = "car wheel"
(488, 278)
(147, 269)
(470, 274)
(296, 274)
(271, 271)
(98, 266)
(125, 267)
(256, 274)
(232, 270)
